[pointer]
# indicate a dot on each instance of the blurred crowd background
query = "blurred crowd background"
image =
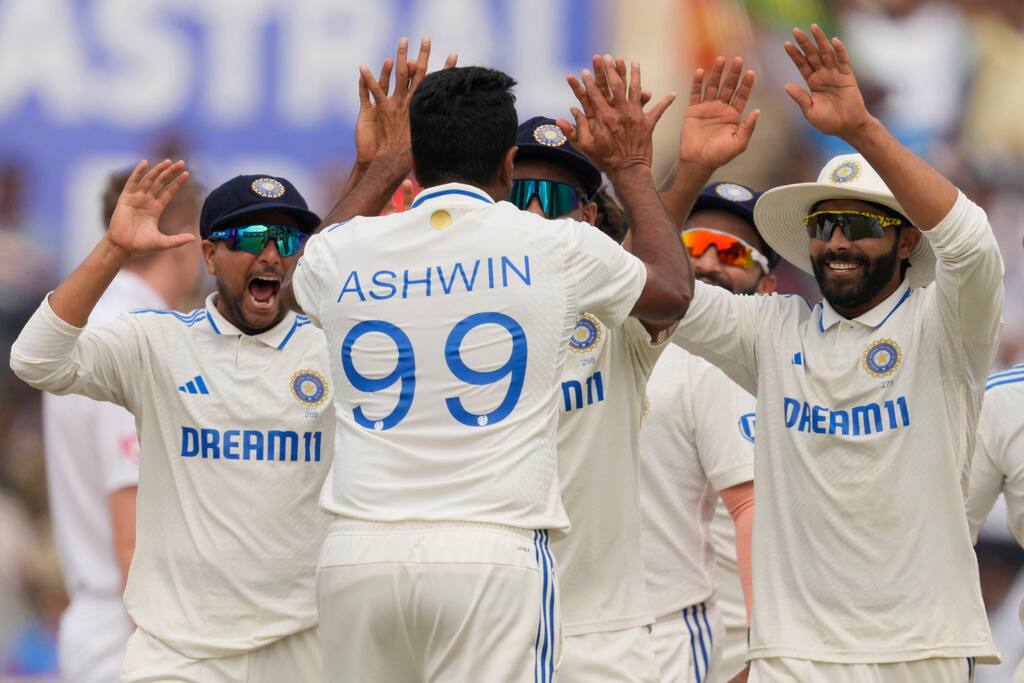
(89, 86)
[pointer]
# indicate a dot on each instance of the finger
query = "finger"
(135, 176)
(810, 51)
(712, 81)
(167, 175)
(620, 69)
(422, 62)
(799, 95)
(645, 97)
(600, 77)
(635, 86)
(172, 241)
(842, 57)
(384, 81)
(364, 91)
(801, 63)
(746, 129)
(732, 80)
(615, 82)
(580, 91)
(407, 194)
(828, 54)
(451, 61)
(147, 181)
(402, 67)
(372, 84)
(170, 189)
(598, 100)
(654, 115)
(568, 130)
(743, 92)
(697, 86)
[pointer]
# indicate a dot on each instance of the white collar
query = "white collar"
(276, 337)
(452, 194)
(873, 318)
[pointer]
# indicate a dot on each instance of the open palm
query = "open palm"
(134, 225)
(715, 131)
(834, 104)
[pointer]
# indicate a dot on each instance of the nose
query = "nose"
(707, 262)
(535, 207)
(270, 254)
(837, 240)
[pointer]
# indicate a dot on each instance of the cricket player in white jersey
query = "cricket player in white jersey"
(449, 325)
(235, 425)
(867, 404)
(92, 460)
(998, 464)
(697, 439)
(605, 615)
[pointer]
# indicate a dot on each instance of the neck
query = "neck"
(234, 317)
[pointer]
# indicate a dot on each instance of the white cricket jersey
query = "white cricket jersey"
(92, 450)
(696, 441)
(728, 585)
(600, 569)
(998, 464)
(236, 438)
(865, 430)
(447, 327)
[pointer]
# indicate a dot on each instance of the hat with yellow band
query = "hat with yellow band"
(780, 212)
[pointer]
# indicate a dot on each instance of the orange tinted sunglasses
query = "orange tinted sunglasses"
(732, 251)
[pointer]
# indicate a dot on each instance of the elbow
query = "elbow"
(678, 301)
(37, 374)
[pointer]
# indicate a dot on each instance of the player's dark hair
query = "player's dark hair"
(188, 198)
(462, 122)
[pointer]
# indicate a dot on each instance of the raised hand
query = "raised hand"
(612, 127)
(714, 131)
(382, 125)
(834, 104)
(134, 225)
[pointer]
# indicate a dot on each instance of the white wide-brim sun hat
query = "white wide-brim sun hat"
(779, 213)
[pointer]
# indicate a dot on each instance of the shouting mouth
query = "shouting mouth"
(263, 290)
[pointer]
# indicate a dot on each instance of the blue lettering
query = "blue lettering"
(861, 415)
(352, 285)
(791, 410)
(839, 422)
(285, 444)
(406, 282)
(211, 443)
(818, 414)
(391, 287)
(252, 444)
(231, 444)
(890, 410)
(577, 392)
(317, 438)
(189, 442)
(595, 381)
(490, 272)
(507, 265)
(904, 411)
(805, 418)
(458, 270)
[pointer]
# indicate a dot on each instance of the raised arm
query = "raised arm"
(834, 105)
(714, 133)
(616, 134)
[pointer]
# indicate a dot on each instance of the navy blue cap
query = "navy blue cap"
(738, 200)
(540, 138)
(247, 194)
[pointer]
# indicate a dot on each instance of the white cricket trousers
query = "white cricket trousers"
(437, 603)
(687, 643)
(787, 670)
(94, 631)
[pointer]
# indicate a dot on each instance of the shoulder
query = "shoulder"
(1006, 387)
(163, 317)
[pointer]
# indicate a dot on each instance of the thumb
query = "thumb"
(799, 95)
(746, 129)
(172, 241)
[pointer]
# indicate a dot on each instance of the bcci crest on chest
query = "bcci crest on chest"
(586, 335)
(309, 388)
(882, 358)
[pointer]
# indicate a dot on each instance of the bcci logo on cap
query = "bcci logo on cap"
(733, 192)
(268, 188)
(846, 172)
(309, 388)
(882, 358)
(586, 335)
(549, 135)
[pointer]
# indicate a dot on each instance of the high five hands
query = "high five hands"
(834, 104)
(134, 226)
(612, 128)
(715, 131)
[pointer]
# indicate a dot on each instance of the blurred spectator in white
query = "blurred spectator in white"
(92, 458)
(918, 53)
(15, 549)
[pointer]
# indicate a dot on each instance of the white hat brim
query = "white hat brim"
(779, 217)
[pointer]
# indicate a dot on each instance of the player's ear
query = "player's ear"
(590, 212)
(767, 284)
(908, 238)
(209, 248)
(505, 170)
